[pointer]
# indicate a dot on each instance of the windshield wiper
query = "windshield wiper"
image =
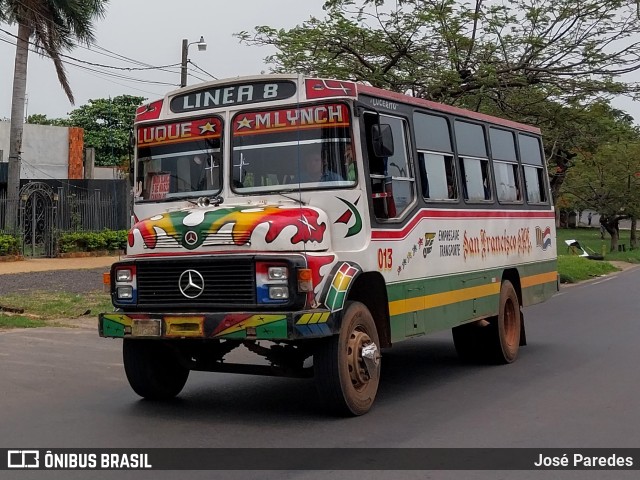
(282, 194)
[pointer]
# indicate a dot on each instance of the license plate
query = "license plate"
(146, 328)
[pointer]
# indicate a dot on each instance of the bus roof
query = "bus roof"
(343, 88)
(441, 107)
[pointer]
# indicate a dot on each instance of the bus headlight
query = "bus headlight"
(278, 273)
(124, 283)
(278, 293)
(272, 282)
(124, 293)
(124, 275)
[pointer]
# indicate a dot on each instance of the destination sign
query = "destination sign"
(250, 123)
(239, 94)
(201, 129)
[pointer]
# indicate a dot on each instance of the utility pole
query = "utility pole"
(202, 46)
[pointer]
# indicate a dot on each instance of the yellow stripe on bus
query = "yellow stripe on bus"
(538, 279)
(425, 302)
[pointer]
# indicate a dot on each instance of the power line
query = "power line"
(69, 62)
(203, 71)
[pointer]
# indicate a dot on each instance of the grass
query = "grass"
(590, 237)
(18, 321)
(573, 268)
(48, 306)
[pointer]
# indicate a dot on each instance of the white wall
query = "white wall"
(45, 150)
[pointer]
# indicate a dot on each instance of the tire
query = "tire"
(153, 369)
(496, 339)
(345, 383)
(504, 338)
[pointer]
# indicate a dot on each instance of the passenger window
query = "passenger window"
(435, 157)
(533, 168)
(507, 181)
(476, 183)
(438, 175)
(474, 162)
(534, 183)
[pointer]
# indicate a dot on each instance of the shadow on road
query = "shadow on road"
(408, 369)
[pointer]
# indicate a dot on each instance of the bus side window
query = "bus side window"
(438, 176)
(534, 177)
(476, 183)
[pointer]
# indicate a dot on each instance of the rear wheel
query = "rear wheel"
(496, 339)
(153, 369)
(505, 336)
(347, 365)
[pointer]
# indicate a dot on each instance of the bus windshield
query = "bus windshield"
(177, 161)
(306, 147)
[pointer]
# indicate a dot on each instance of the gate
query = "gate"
(38, 205)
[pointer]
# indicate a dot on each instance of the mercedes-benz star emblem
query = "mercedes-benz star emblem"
(191, 283)
(191, 237)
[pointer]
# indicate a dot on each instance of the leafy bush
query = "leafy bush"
(9, 245)
(92, 241)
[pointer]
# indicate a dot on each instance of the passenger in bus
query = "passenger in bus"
(350, 163)
(451, 193)
(315, 169)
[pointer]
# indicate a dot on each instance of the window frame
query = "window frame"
(409, 177)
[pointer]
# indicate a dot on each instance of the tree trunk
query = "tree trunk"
(611, 226)
(17, 126)
(634, 240)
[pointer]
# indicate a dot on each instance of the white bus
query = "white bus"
(316, 222)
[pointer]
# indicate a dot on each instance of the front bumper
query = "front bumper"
(237, 325)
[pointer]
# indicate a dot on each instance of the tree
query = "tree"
(536, 61)
(41, 119)
(606, 177)
(447, 49)
(50, 27)
(107, 124)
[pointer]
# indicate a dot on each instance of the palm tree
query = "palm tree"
(50, 27)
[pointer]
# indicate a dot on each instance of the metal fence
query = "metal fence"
(86, 210)
(77, 209)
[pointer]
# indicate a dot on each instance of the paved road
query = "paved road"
(575, 385)
(73, 275)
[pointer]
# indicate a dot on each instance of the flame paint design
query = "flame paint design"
(316, 262)
(244, 221)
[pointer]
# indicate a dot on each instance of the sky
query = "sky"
(151, 32)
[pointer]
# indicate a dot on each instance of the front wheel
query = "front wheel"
(347, 365)
(153, 369)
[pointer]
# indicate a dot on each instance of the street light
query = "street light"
(202, 46)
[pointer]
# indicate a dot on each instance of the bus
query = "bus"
(294, 226)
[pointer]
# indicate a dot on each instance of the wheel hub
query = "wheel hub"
(358, 370)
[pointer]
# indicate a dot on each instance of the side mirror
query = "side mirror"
(382, 139)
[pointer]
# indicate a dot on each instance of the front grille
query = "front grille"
(227, 282)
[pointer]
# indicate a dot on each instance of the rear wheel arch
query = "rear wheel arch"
(513, 276)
